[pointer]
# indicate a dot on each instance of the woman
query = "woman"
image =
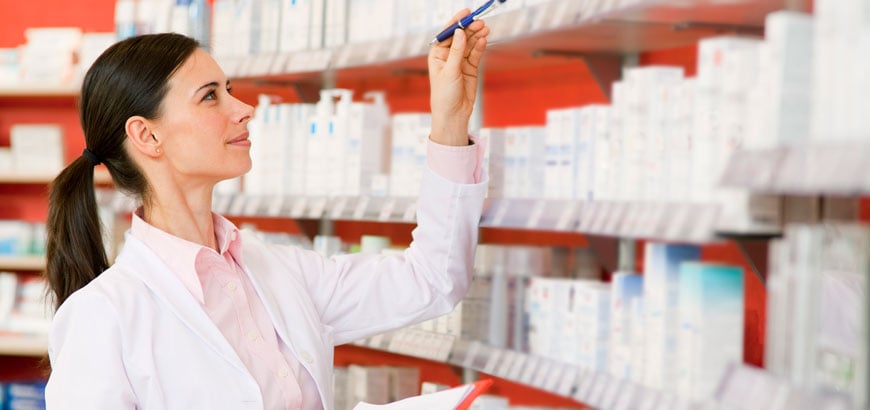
(196, 315)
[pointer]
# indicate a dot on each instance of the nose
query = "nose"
(243, 111)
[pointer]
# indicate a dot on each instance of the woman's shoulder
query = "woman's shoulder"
(114, 286)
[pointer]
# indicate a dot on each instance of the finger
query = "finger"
(477, 25)
(456, 17)
(457, 52)
(471, 69)
(472, 39)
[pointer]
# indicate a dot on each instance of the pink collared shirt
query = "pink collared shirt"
(218, 282)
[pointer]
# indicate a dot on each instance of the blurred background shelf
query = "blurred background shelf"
(22, 263)
(23, 345)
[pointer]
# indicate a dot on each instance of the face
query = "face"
(203, 128)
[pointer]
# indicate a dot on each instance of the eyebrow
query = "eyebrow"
(211, 84)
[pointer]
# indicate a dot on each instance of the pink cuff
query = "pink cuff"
(459, 164)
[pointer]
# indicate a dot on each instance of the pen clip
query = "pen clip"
(486, 9)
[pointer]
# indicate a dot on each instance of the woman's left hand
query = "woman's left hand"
(453, 76)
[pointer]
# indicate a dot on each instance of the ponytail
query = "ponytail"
(130, 78)
(74, 246)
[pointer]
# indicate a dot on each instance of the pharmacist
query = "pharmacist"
(195, 314)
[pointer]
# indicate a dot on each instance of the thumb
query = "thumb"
(457, 51)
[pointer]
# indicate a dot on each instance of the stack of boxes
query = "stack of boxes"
(817, 309)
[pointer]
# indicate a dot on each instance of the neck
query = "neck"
(183, 213)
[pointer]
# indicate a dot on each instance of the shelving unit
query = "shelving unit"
(531, 39)
(596, 31)
(22, 263)
(23, 345)
(36, 91)
(814, 169)
(594, 388)
(101, 177)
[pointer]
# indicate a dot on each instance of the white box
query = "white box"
(37, 148)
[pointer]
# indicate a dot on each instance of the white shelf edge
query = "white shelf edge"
(22, 263)
(101, 176)
(595, 388)
(509, 26)
(40, 91)
(23, 345)
(835, 168)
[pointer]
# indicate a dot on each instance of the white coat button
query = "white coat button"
(253, 336)
(283, 373)
(307, 358)
(232, 286)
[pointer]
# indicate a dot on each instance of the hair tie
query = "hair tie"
(95, 160)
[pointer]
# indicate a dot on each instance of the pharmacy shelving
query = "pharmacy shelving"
(748, 384)
(101, 177)
(34, 91)
(683, 222)
(838, 169)
(520, 36)
(595, 388)
(23, 345)
(22, 263)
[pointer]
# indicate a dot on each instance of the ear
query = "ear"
(141, 136)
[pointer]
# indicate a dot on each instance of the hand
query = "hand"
(453, 71)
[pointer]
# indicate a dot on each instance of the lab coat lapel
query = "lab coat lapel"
(256, 262)
(142, 261)
(257, 259)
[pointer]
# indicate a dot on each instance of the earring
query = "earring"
(158, 150)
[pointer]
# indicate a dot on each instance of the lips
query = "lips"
(241, 139)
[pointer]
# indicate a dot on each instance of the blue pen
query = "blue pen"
(476, 15)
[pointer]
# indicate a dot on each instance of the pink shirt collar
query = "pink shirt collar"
(181, 255)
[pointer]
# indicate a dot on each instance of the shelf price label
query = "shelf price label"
(471, 355)
(253, 206)
(338, 209)
(318, 206)
(567, 381)
(387, 210)
(360, 211)
(275, 206)
(238, 205)
(494, 360)
(299, 207)
(516, 370)
(566, 218)
(410, 214)
(536, 213)
(533, 363)
(500, 212)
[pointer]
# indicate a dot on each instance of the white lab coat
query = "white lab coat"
(136, 338)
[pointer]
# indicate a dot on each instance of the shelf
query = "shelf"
(679, 222)
(597, 389)
(744, 384)
(831, 169)
(521, 37)
(22, 263)
(362, 208)
(23, 345)
(40, 91)
(101, 177)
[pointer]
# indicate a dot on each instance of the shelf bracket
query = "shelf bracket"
(605, 68)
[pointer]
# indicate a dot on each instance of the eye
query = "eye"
(229, 90)
(209, 96)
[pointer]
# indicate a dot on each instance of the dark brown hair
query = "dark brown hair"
(128, 79)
